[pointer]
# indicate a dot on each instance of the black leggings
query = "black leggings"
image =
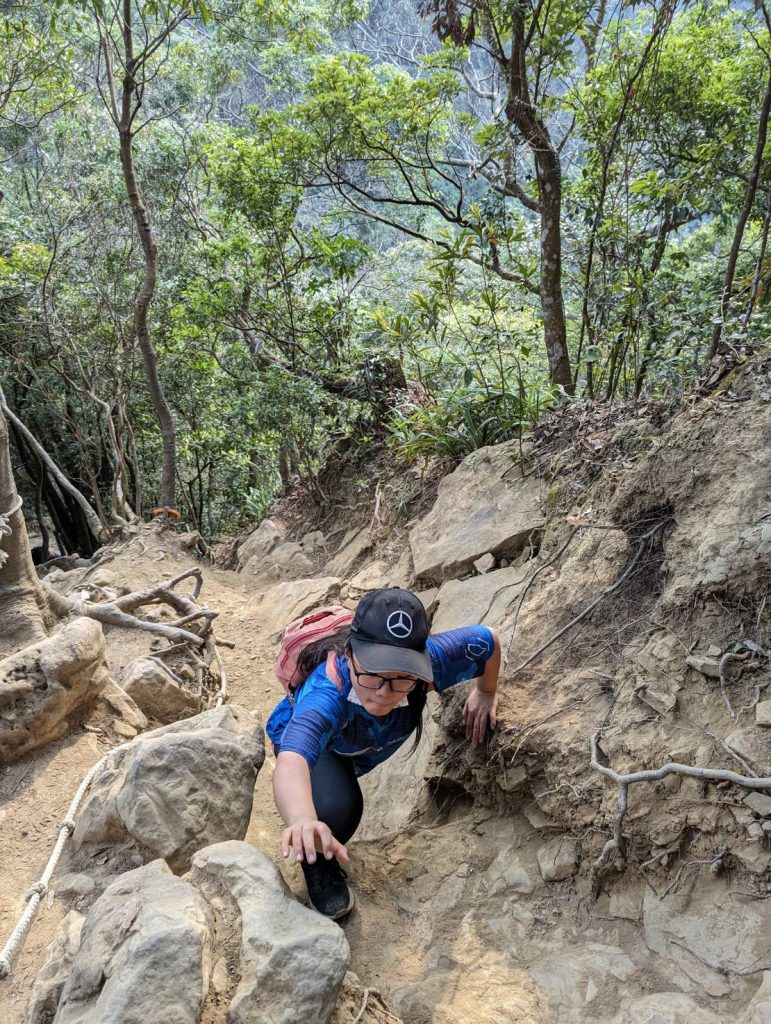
(336, 794)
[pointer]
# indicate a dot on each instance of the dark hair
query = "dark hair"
(416, 701)
(315, 653)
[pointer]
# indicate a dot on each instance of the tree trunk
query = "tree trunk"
(744, 214)
(23, 606)
(552, 305)
(129, 107)
(521, 113)
(95, 525)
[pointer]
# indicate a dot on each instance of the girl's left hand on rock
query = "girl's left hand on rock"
(479, 708)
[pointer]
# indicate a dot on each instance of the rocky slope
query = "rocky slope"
(625, 559)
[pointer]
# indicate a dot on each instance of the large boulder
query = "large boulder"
(157, 693)
(51, 977)
(292, 959)
(175, 789)
(272, 609)
(286, 562)
(355, 544)
(260, 542)
(478, 598)
(41, 685)
(144, 954)
(486, 505)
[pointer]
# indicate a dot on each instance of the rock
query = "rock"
(292, 959)
(753, 855)
(661, 698)
(485, 563)
(666, 1008)
(286, 562)
(713, 651)
(709, 667)
(751, 746)
(125, 731)
(156, 692)
(177, 788)
(708, 930)
(403, 773)
(371, 576)
(74, 885)
(313, 542)
(763, 713)
(121, 704)
(484, 506)
(47, 990)
(356, 544)
(144, 955)
(41, 685)
(273, 609)
(220, 979)
(759, 1010)
(760, 803)
(478, 599)
(260, 542)
(627, 906)
(507, 873)
(512, 779)
(428, 599)
(557, 859)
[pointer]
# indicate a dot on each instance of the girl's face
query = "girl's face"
(377, 701)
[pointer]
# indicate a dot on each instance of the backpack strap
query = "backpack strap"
(331, 671)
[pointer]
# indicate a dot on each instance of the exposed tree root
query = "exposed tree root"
(616, 843)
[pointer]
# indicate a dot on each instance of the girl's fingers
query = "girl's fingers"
(309, 843)
(340, 851)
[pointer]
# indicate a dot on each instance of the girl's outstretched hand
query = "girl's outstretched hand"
(477, 711)
(305, 837)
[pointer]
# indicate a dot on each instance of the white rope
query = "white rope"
(5, 526)
(38, 890)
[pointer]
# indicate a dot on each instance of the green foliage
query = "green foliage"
(337, 253)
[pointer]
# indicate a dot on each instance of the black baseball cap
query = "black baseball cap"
(389, 633)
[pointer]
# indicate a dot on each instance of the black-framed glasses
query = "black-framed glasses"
(375, 682)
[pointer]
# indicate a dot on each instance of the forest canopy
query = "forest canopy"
(236, 234)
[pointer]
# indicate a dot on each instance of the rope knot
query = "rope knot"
(39, 887)
(69, 824)
(5, 966)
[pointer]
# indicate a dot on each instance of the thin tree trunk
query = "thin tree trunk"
(521, 113)
(744, 214)
(23, 607)
(759, 263)
(95, 525)
(149, 250)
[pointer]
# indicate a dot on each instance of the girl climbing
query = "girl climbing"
(363, 698)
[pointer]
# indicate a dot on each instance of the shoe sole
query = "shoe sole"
(340, 913)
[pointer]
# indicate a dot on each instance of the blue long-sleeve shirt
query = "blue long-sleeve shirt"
(322, 717)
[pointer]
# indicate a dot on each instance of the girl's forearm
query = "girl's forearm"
(488, 681)
(292, 788)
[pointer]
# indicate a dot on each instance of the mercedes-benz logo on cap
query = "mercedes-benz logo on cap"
(399, 624)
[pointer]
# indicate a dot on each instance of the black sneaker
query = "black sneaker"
(328, 891)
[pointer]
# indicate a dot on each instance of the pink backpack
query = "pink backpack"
(303, 631)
